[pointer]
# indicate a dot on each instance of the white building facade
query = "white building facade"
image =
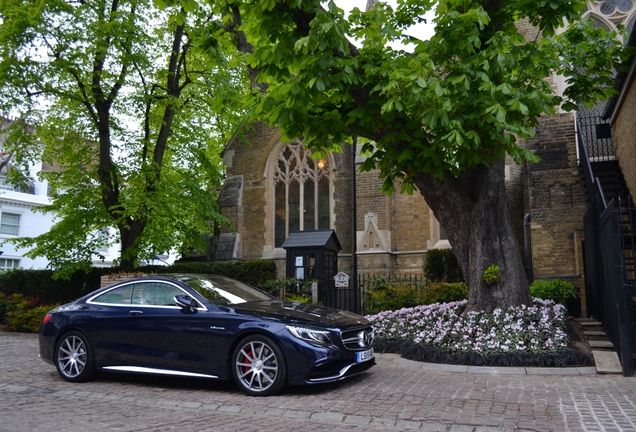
(18, 219)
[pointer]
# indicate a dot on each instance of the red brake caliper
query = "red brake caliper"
(247, 360)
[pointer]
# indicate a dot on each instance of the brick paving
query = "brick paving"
(394, 395)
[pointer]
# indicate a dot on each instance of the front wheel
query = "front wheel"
(74, 358)
(259, 366)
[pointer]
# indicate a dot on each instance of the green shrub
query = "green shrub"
(442, 265)
(491, 274)
(43, 283)
(295, 289)
(4, 303)
(22, 313)
(253, 272)
(383, 293)
(443, 292)
(554, 289)
(299, 298)
(28, 319)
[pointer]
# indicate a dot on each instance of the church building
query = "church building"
(275, 188)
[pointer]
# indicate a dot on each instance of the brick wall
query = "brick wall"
(550, 191)
(555, 201)
(625, 138)
(405, 217)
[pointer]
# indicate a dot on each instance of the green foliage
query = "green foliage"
(296, 290)
(382, 293)
(438, 117)
(442, 265)
(131, 106)
(554, 289)
(42, 283)
(253, 272)
(491, 274)
(299, 298)
(22, 313)
(457, 101)
(4, 307)
(444, 292)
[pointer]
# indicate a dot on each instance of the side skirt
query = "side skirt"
(138, 369)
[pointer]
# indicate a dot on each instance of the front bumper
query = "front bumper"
(332, 372)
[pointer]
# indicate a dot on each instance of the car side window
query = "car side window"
(155, 293)
(119, 296)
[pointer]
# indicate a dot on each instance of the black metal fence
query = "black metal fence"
(352, 298)
(596, 134)
(612, 292)
(609, 252)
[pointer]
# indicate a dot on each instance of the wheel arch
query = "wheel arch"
(245, 334)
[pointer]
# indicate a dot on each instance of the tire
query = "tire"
(74, 357)
(258, 366)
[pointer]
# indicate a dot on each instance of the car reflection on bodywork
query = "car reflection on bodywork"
(205, 326)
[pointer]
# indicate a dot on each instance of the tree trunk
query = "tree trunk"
(129, 235)
(473, 210)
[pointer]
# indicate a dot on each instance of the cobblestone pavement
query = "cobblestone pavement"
(394, 395)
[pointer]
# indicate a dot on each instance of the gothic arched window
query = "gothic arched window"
(301, 192)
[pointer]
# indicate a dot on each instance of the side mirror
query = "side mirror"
(185, 302)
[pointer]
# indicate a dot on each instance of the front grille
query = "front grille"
(358, 339)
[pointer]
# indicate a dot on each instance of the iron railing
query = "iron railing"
(617, 314)
(354, 299)
(591, 184)
(596, 134)
(609, 253)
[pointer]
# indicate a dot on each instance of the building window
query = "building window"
(10, 224)
(5, 184)
(8, 264)
(103, 238)
(301, 192)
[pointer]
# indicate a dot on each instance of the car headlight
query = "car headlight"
(319, 337)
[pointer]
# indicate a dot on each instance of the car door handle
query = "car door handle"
(136, 312)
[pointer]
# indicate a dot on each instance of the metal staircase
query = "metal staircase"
(610, 240)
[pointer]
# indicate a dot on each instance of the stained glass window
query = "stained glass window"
(609, 6)
(301, 190)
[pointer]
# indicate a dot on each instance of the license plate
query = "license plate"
(363, 356)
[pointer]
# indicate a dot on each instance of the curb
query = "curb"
(494, 370)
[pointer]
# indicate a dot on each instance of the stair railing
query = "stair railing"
(592, 184)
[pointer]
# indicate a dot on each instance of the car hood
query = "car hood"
(301, 313)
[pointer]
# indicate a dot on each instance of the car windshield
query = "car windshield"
(224, 290)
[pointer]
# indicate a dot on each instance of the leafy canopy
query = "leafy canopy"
(456, 101)
(131, 102)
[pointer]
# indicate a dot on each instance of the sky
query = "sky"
(421, 31)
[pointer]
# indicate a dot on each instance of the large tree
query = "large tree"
(130, 102)
(440, 117)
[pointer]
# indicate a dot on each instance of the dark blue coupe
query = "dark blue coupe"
(205, 326)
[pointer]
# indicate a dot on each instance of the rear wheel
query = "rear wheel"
(74, 358)
(259, 366)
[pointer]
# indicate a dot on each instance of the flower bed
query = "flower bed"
(445, 333)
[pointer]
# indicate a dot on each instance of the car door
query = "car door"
(102, 323)
(155, 333)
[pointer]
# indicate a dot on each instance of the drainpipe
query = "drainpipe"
(527, 246)
(354, 228)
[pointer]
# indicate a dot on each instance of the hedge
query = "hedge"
(41, 283)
